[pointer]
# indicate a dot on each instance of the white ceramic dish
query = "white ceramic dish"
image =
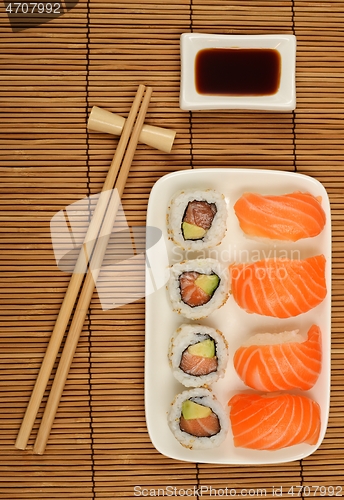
(283, 100)
(237, 325)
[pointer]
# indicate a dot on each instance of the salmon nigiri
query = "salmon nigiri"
(287, 217)
(267, 422)
(273, 362)
(280, 288)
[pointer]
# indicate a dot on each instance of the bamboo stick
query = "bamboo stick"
(87, 290)
(76, 280)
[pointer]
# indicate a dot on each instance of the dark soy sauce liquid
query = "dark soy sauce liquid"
(239, 72)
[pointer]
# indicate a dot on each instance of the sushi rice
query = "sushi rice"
(187, 335)
(206, 398)
(203, 266)
(176, 211)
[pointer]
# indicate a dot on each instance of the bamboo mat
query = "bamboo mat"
(50, 77)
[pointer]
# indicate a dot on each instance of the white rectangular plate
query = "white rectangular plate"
(236, 324)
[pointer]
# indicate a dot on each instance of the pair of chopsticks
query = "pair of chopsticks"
(89, 262)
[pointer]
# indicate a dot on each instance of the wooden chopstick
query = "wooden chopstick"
(88, 287)
(77, 278)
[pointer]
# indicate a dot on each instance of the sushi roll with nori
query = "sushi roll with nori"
(197, 219)
(198, 355)
(197, 419)
(198, 287)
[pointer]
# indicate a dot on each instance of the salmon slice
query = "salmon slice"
(267, 422)
(281, 288)
(197, 365)
(200, 213)
(290, 364)
(191, 294)
(287, 217)
(201, 427)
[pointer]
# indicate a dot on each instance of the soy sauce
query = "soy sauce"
(239, 72)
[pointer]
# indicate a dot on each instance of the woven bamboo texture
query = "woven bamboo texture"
(50, 77)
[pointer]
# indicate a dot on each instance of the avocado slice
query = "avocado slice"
(191, 410)
(208, 282)
(205, 348)
(192, 232)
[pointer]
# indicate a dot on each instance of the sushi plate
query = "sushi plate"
(237, 325)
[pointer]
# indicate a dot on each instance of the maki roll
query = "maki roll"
(197, 420)
(198, 287)
(198, 355)
(197, 219)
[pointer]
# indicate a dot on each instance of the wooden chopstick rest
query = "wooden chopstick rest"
(101, 120)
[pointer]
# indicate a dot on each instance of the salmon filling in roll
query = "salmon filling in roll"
(198, 420)
(197, 220)
(199, 358)
(197, 289)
